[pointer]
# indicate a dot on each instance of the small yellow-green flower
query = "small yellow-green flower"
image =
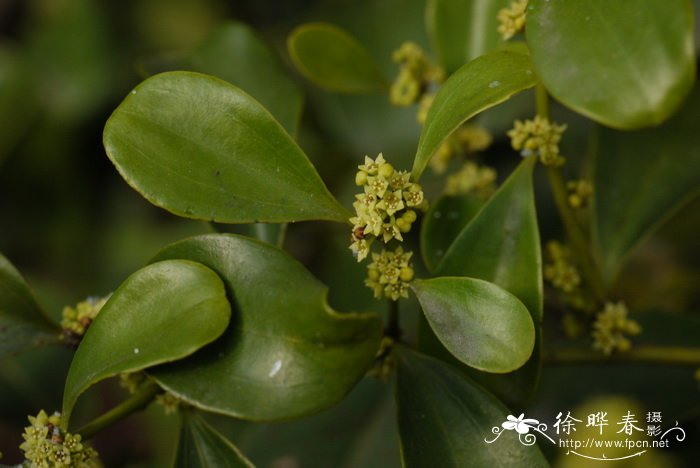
(561, 271)
(46, 445)
(389, 274)
(466, 140)
(416, 73)
(512, 19)
(76, 320)
(580, 192)
(611, 327)
(538, 137)
(472, 179)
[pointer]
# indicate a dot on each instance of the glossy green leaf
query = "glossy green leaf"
(202, 148)
(462, 30)
(23, 325)
(161, 313)
(501, 244)
(481, 324)
(443, 222)
(333, 59)
(619, 63)
(445, 417)
(640, 180)
(476, 86)
(201, 446)
(288, 353)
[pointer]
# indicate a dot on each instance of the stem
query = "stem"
(666, 355)
(140, 400)
(392, 328)
(573, 228)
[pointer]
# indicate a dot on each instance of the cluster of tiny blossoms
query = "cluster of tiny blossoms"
(538, 137)
(512, 19)
(385, 210)
(611, 326)
(46, 445)
(466, 140)
(561, 271)
(76, 320)
(415, 75)
(472, 179)
(580, 192)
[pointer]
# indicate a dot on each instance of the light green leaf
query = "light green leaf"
(640, 180)
(501, 245)
(333, 59)
(201, 446)
(462, 30)
(481, 324)
(288, 354)
(622, 63)
(443, 222)
(23, 325)
(445, 417)
(161, 313)
(202, 148)
(476, 86)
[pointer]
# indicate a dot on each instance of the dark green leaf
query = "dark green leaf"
(640, 180)
(621, 63)
(462, 30)
(444, 417)
(478, 85)
(481, 324)
(443, 222)
(202, 148)
(333, 59)
(236, 54)
(161, 313)
(23, 325)
(288, 353)
(201, 446)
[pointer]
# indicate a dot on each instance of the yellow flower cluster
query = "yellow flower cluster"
(415, 74)
(389, 274)
(611, 326)
(580, 192)
(45, 445)
(76, 320)
(466, 140)
(538, 137)
(561, 272)
(512, 19)
(383, 210)
(472, 179)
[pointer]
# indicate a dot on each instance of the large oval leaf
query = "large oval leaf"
(481, 324)
(333, 59)
(462, 30)
(640, 180)
(201, 446)
(288, 353)
(478, 85)
(621, 63)
(202, 148)
(23, 325)
(444, 417)
(161, 313)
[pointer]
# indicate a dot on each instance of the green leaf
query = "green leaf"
(481, 324)
(478, 85)
(23, 325)
(502, 245)
(333, 59)
(443, 222)
(288, 354)
(235, 53)
(202, 148)
(621, 63)
(443, 416)
(161, 313)
(201, 445)
(640, 180)
(462, 30)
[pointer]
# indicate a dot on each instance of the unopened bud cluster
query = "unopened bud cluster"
(46, 445)
(472, 179)
(385, 210)
(580, 192)
(538, 137)
(415, 75)
(76, 320)
(611, 327)
(561, 271)
(512, 19)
